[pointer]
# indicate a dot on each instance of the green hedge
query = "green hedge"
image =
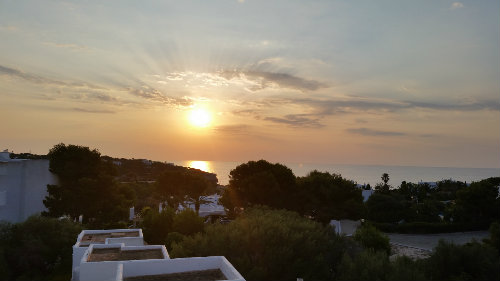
(430, 227)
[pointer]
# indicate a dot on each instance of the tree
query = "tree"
(265, 244)
(389, 208)
(383, 187)
(86, 186)
(478, 203)
(326, 196)
(261, 183)
(175, 187)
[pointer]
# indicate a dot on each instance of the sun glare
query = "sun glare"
(200, 165)
(199, 117)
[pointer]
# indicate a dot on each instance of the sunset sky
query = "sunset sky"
(346, 82)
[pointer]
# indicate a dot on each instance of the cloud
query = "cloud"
(260, 80)
(311, 111)
(376, 133)
(92, 110)
(155, 95)
(238, 129)
(11, 72)
(297, 120)
(456, 5)
(74, 47)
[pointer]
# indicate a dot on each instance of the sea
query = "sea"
(361, 174)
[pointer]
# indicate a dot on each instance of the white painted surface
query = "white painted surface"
(84, 270)
(24, 184)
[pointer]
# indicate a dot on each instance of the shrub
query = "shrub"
(371, 238)
(266, 244)
(368, 265)
(404, 268)
(187, 222)
(473, 261)
(37, 249)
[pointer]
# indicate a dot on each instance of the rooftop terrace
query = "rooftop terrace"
(100, 238)
(198, 275)
(117, 254)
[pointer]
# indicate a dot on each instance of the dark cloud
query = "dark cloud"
(92, 110)
(370, 132)
(264, 79)
(297, 120)
(7, 71)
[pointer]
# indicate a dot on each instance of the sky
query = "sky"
(399, 82)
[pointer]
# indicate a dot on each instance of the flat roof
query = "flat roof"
(116, 254)
(100, 238)
(198, 275)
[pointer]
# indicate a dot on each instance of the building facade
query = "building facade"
(23, 186)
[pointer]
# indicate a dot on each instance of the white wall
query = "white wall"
(24, 186)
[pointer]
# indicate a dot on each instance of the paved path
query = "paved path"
(429, 241)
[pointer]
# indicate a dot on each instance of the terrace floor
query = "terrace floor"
(206, 275)
(116, 254)
(99, 238)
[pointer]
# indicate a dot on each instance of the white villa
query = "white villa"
(120, 254)
(23, 186)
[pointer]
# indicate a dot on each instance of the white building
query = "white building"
(23, 186)
(120, 254)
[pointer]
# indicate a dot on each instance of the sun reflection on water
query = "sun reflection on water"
(200, 165)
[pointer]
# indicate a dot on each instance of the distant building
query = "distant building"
(23, 186)
(366, 194)
(345, 227)
(210, 208)
(120, 254)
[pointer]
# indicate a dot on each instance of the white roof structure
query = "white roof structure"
(120, 254)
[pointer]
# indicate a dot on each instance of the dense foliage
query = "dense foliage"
(157, 226)
(260, 183)
(445, 207)
(37, 249)
(176, 187)
(326, 196)
(266, 244)
(86, 187)
(320, 195)
(371, 238)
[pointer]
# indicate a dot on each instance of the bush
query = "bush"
(156, 226)
(473, 261)
(266, 244)
(368, 265)
(37, 249)
(371, 238)
(187, 222)
(404, 268)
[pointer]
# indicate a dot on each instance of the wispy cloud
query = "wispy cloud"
(262, 79)
(297, 120)
(375, 133)
(155, 95)
(312, 111)
(84, 110)
(234, 130)
(252, 80)
(456, 5)
(74, 47)
(37, 79)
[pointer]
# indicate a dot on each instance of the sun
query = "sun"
(200, 117)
